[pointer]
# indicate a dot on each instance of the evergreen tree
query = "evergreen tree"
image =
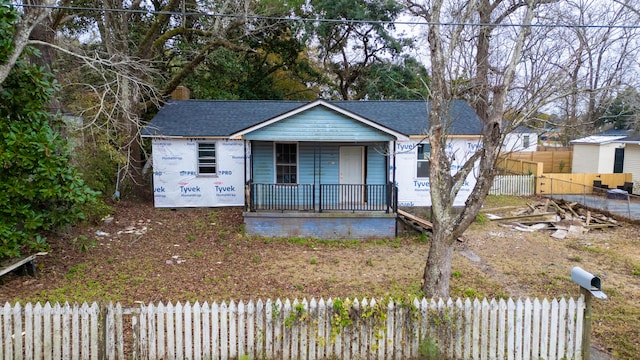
(39, 188)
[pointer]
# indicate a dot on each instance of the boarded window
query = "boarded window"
(424, 153)
(286, 163)
(207, 159)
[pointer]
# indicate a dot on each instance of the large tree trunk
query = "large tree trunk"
(489, 92)
(437, 271)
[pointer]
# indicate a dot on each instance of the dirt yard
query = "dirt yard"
(144, 254)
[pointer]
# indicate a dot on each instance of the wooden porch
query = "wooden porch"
(322, 211)
(322, 197)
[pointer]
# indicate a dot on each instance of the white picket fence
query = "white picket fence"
(513, 185)
(344, 329)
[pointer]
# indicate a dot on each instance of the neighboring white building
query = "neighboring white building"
(522, 139)
(632, 160)
(602, 153)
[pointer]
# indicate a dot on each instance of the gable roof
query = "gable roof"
(224, 118)
(597, 139)
(604, 137)
(632, 139)
(523, 130)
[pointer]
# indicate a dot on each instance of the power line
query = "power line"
(301, 19)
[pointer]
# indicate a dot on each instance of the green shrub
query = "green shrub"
(428, 349)
(40, 190)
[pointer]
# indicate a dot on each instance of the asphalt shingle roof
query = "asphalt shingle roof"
(202, 118)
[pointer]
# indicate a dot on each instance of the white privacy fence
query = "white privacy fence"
(513, 185)
(343, 329)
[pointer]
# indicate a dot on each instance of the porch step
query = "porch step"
(417, 223)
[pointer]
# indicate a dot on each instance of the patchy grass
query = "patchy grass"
(496, 201)
(221, 263)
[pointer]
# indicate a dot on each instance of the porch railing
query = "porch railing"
(323, 197)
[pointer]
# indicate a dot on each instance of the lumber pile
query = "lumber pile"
(561, 218)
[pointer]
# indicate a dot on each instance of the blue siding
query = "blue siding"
(329, 159)
(318, 124)
(317, 161)
(376, 165)
(262, 162)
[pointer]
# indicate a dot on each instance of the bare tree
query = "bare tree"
(601, 51)
(511, 57)
(23, 29)
(139, 55)
(496, 50)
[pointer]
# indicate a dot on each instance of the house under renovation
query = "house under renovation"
(322, 169)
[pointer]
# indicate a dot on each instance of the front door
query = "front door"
(351, 174)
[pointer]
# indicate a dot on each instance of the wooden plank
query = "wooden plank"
(206, 330)
(75, 332)
(17, 332)
(180, 330)
(66, 331)
(519, 329)
(323, 337)
(171, 349)
(286, 344)
(313, 311)
(277, 331)
(143, 348)
(467, 328)
(495, 209)
(424, 223)
(381, 343)
(12, 264)
(553, 331)
(293, 334)
(304, 331)
(475, 345)
(544, 330)
(390, 326)
(268, 312)
(37, 332)
(215, 330)
(493, 329)
(188, 331)
(241, 329)
(260, 329)
(526, 346)
(224, 331)
(535, 330)
(571, 334)
(502, 329)
(511, 323)
(232, 329)
(484, 340)
(47, 343)
(526, 216)
(28, 331)
(398, 340)
(562, 323)
(251, 323)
